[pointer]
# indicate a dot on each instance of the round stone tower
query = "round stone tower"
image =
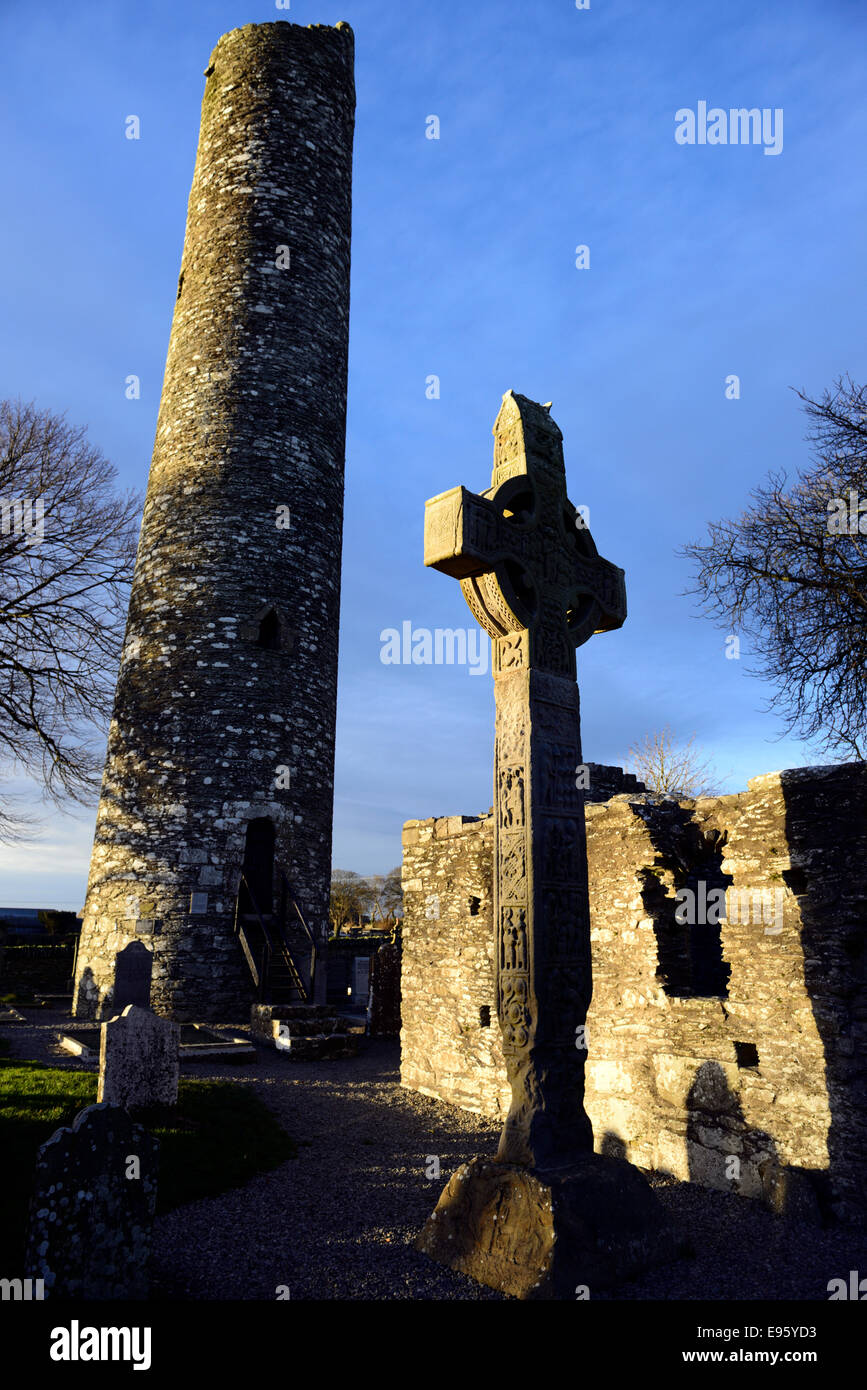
(221, 748)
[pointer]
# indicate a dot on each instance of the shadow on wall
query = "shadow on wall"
(725, 1153)
(820, 815)
(613, 1146)
(826, 834)
(87, 996)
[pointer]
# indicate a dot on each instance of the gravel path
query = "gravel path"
(338, 1221)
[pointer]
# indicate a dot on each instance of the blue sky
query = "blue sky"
(557, 129)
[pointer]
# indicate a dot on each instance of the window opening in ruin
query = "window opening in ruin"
(686, 920)
(475, 904)
(746, 1054)
(709, 971)
(259, 866)
(269, 632)
(485, 1016)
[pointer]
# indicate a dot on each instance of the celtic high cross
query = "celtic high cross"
(535, 582)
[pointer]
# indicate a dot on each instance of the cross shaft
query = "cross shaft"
(535, 582)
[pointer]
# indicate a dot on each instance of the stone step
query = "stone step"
(309, 1049)
(290, 1010)
(311, 1028)
(304, 1031)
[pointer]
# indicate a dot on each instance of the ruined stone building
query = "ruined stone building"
(730, 1052)
(221, 748)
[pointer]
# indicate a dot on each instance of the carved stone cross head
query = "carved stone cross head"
(532, 577)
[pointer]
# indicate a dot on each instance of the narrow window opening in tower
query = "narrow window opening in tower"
(269, 632)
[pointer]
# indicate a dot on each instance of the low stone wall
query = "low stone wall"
(342, 951)
(384, 1012)
(450, 1047)
(731, 1054)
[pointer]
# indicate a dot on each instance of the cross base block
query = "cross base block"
(560, 1234)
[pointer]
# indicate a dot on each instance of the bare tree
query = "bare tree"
(665, 765)
(791, 573)
(346, 902)
(372, 896)
(385, 896)
(391, 896)
(67, 544)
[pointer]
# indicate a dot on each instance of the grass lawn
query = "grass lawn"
(218, 1136)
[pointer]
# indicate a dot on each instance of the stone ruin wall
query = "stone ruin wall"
(672, 1078)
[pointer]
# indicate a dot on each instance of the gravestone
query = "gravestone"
(92, 1208)
(548, 1214)
(138, 1059)
(360, 980)
(132, 977)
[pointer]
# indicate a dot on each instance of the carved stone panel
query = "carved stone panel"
(552, 649)
(482, 528)
(510, 798)
(554, 788)
(514, 1012)
(566, 920)
(513, 940)
(565, 991)
(554, 690)
(553, 722)
(512, 867)
(510, 652)
(513, 723)
(562, 850)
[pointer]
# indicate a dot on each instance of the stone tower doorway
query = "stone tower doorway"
(258, 867)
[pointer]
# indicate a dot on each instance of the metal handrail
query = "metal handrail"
(269, 949)
(286, 890)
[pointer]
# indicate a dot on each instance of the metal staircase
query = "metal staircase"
(267, 946)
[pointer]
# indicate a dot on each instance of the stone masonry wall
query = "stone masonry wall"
(449, 1048)
(242, 525)
(734, 1055)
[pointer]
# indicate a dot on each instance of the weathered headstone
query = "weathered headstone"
(132, 976)
(548, 1214)
(360, 980)
(138, 1059)
(92, 1207)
